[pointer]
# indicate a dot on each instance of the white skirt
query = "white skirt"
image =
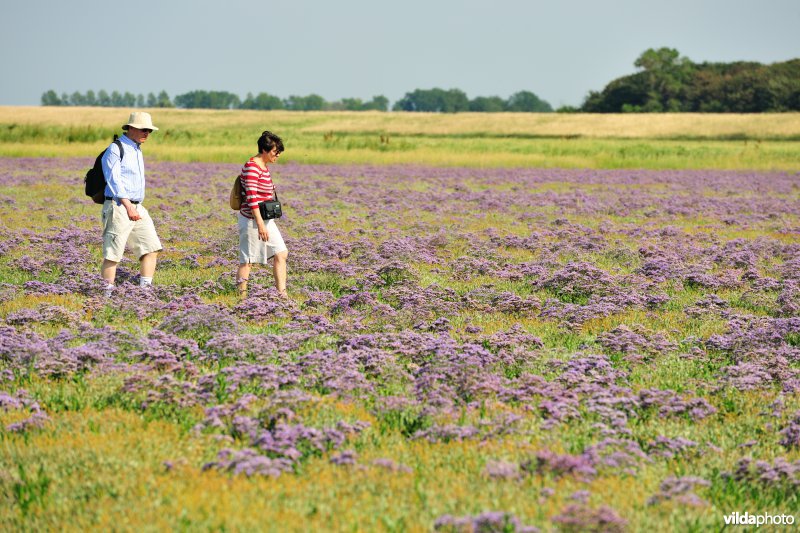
(254, 250)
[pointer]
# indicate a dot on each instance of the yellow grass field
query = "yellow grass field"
(662, 141)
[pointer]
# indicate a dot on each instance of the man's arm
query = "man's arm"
(112, 169)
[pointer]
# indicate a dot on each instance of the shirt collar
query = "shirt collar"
(127, 140)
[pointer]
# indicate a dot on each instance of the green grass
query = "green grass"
(504, 140)
(109, 460)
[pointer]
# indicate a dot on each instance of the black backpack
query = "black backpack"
(95, 181)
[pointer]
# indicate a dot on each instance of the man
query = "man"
(125, 220)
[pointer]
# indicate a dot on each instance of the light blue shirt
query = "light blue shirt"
(124, 179)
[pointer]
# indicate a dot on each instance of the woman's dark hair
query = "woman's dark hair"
(268, 141)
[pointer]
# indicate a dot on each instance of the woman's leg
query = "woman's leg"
(279, 270)
(242, 275)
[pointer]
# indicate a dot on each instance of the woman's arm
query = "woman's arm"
(262, 227)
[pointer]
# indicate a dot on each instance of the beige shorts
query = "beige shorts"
(254, 250)
(119, 230)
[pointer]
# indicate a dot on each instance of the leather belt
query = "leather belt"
(132, 201)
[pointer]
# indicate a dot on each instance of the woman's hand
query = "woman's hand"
(262, 232)
(262, 226)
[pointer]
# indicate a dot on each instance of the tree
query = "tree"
(378, 103)
(487, 104)
(628, 94)
(527, 102)
(350, 104)
(262, 101)
(669, 82)
(91, 98)
(666, 73)
(268, 101)
(793, 103)
(163, 100)
(433, 101)
(116, 99)
(454, 101)
(312, 102)
(51, 98)
(103, 99)
(77, 99)
(206, 100)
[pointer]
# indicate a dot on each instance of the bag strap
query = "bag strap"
(274, 189)
(119, 145)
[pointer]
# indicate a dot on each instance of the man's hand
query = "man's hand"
(133, 214)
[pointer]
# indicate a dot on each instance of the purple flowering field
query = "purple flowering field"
(463, 350)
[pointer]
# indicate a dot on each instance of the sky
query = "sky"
(558, 49)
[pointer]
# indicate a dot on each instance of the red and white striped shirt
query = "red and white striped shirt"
(257, 185)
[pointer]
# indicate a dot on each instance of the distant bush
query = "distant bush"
(671, 83)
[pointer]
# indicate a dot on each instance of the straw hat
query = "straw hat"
(140, 120)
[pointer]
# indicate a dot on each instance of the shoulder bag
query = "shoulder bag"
(272, 208)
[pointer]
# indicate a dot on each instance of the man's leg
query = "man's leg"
(109, 271)
(147, 268)
(115, 233)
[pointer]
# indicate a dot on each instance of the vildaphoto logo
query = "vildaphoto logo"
(747, 519)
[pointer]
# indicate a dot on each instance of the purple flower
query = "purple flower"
(502, 470)
(681, 489)
(347, 457)
(579, 517)
(36, 421)
(486, 522)
(392, 466)
(780, 475)
(250, 463)
(790, 435)
(670, 447)
(582, 466)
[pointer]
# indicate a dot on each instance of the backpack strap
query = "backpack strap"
(119, 145)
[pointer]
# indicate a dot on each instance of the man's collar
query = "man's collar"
(130, 141)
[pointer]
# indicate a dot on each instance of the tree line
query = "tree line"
(665, 82)
(455, 100)
(431, 100)
(104, 99)
(668, 82)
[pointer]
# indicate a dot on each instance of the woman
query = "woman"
(260, 240)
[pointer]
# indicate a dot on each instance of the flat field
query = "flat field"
(549, 140)
(467, 345)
